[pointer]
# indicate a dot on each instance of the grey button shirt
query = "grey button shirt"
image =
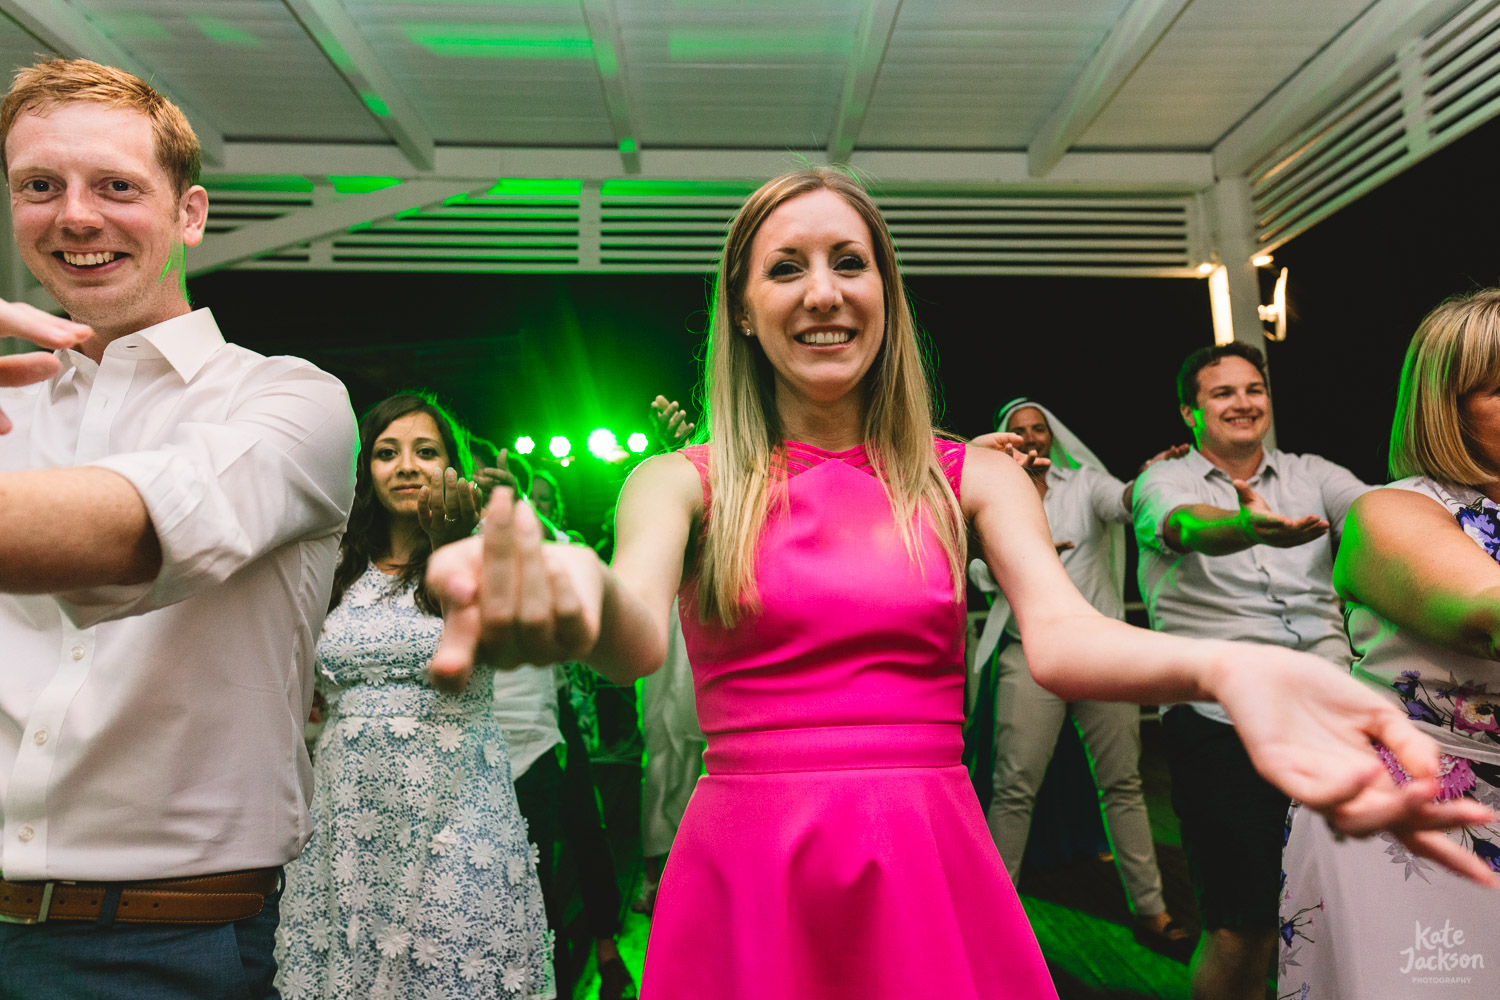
(1279, 596)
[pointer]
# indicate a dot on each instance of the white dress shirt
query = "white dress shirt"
(525, 705)
(1280, 596)
(155, 730)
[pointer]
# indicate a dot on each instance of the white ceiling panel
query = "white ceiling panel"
(1219, 60)
(974, 74)
(247, 64)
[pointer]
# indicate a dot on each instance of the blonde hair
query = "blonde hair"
(48, 84)
(744, 428)
(1455, 351)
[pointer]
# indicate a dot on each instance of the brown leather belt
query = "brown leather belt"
(202, 899)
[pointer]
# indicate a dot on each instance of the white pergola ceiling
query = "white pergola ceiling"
(1110, 137)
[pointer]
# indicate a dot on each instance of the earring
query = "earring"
(746, 328)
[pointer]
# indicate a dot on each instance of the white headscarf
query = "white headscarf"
(1068, 452)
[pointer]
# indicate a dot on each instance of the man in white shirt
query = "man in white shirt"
(170, 507)
(1217, 561)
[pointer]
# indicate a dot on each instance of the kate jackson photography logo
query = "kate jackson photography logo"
(1439, 950)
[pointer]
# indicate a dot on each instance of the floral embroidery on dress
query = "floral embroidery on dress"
(418, 880)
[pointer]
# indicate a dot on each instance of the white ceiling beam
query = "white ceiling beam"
(1367, 43)
(870, 45)
(225, 249)
(603, 19)
(1167, 172)
(1129, 42)
(62, 27)
(333, 30)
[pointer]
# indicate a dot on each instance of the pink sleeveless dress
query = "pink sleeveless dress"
(835, 848)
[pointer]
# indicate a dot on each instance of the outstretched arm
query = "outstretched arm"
(509, 598)
(1215, 531)
(68, 529)
(1307, 726)
(1406, 557)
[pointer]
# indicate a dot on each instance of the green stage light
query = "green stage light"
(559, 446)
(637, 442)
(525, 445)
(603, 443)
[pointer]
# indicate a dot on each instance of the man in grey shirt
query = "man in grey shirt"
(1235, 543)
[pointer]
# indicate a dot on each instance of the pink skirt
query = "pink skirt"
(818, 864)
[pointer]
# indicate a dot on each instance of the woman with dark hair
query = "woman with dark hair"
(835, 848)
(418, 880)
(1419, 571)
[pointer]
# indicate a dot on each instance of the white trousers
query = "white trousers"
(1028, 718)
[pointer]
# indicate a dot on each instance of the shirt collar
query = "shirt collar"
(186, 342)
(1205, 468)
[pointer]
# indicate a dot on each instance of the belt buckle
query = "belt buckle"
(41, 916)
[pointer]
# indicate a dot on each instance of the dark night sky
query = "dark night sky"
(565, 353)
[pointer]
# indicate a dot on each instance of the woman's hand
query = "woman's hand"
(510, 599)
(1309, 729)
(451, 512)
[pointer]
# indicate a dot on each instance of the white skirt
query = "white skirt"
(1367, 920)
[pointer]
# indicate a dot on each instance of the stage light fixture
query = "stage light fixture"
(525, 445)
(1261, 260)
(559, 446)
(602, 442)
(637, 442)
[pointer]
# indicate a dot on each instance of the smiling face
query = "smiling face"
(408, 455)
(97, 219)
(1031, 424)
(814, 298)
(1232, 411)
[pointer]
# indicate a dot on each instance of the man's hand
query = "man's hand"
(510, 599)
(669, 424)
(1262, 526)
(1012, 445)
(1310, 728)
(450, 512)
(1176, 451)
(17, 319)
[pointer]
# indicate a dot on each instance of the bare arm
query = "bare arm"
(1306, 726)
(66, 529)
(1405, 556)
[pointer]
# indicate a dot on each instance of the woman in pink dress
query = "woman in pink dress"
(835, 847)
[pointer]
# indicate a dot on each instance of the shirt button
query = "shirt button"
(78, 651)
(40, 737)
(26, 834)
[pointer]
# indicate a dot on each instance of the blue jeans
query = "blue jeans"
(72, 960)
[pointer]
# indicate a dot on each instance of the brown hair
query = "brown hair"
(48, 84)
(1455, 351)
(744, 428)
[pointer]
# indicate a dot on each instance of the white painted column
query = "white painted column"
(1233, 236)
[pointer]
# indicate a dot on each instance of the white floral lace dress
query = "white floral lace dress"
(418, 882)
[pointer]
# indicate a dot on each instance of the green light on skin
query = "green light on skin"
(361, 185)
(219, 30)
(525, 445)
(559, 446)
(637, 443)
(700, 44)
(457, 40)
(602, 442)
(176, 259)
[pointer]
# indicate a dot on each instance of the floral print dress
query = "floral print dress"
(418, 882)
(1367, 918)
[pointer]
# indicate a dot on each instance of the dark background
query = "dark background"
(547, 354)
